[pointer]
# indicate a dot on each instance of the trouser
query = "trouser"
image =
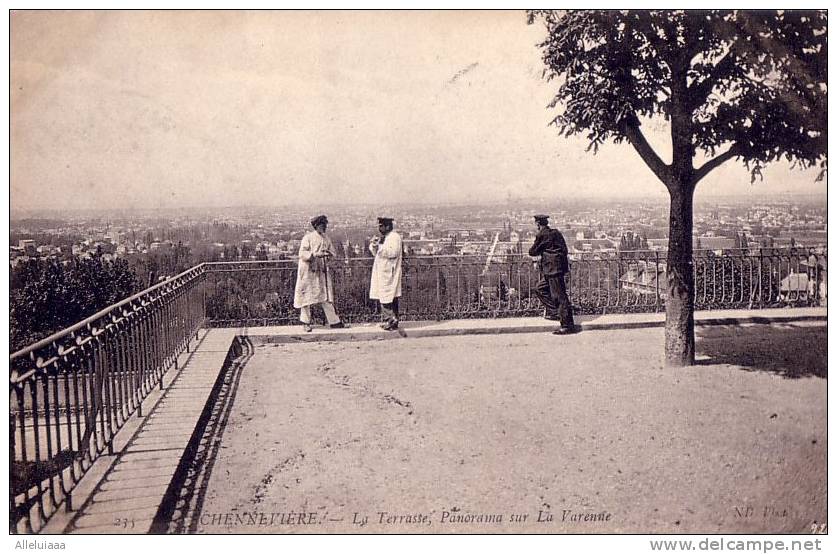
(389, 312)
(328, 308)
(552, 291)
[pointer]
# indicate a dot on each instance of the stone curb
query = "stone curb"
(64, 522)
(418, 332)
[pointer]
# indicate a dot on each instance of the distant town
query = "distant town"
(274, 233)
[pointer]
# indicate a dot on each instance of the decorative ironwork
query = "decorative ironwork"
(456, 287)
(70, 393)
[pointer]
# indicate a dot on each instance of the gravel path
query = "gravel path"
(490, 434)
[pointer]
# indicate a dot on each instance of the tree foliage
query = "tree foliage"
(751, 84)
(48, 295)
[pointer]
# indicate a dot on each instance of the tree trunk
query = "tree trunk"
(680, 303)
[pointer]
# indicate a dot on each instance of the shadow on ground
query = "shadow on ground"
(188, 495)
(787, 350)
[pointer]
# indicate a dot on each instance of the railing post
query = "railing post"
(111, 358)
(761, 269)
(438, 294)
(657, 280)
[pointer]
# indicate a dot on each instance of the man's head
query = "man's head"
(320, 223)
(542, 221)
(384, 225)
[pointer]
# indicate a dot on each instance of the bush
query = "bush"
(49, 295)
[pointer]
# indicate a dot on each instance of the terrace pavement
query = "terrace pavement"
(550, 427)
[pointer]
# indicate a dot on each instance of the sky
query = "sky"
(169, 109)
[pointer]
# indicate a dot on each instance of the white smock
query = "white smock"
(386, 270)
(313, 280)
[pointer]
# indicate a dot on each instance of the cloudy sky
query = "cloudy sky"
(154, 109)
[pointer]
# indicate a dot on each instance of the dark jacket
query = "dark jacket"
(551, 247)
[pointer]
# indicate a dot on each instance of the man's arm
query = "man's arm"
(539, 246)
(305, 252)
(332, 250)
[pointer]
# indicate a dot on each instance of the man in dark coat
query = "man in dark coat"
(554, 266)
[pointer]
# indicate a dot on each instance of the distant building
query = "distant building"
(794, 287)
(104, 247)
(47, 250)
(421, 246)
(717, 244)
(489, 293)
(590, 245)
(28, 246)
(657, 244)
(643, 279)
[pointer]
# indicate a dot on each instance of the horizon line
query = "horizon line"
(507, 202)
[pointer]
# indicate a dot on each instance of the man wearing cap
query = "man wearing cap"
(554, 266)
(386, 272)
(313, 280)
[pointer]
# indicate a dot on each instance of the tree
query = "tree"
(749, 86)
(47, 296)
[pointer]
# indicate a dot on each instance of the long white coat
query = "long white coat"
(386, 270)
(313, 287)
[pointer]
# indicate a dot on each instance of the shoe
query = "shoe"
(338, 325)
(566, 331)
(308, 327)
(551, 317)
(390, 326)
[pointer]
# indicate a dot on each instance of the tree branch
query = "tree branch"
(645, 151)
(698, 92)
(704, 170)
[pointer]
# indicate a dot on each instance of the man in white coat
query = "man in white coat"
(386, 272)
(313, 280)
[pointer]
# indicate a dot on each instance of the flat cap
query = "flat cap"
(385, 221)
(540, 218)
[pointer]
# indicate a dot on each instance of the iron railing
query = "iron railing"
(456, 287)
(71, 392)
